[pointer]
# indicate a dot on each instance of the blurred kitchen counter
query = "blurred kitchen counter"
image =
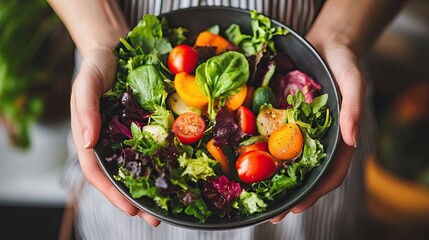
(31, 177)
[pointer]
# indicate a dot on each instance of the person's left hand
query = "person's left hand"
(344, 67)
(95, 77)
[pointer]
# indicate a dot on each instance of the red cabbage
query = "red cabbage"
(292, 82)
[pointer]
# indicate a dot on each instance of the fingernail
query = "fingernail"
(151, 221)
(276, 222)
(280, 218)
(86, 138)
(355, 136)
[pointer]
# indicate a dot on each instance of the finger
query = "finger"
(332, 179)
(92, 171)
(149, 218)
(352, 87)
(278, 218)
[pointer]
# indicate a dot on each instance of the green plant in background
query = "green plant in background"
(29, 30)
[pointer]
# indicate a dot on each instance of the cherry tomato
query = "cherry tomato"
(246, 120)
(286, 142)
(262, 145)
(189, 127)
(182, 58)
(255, 166)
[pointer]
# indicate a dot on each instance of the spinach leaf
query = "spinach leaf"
(148, 86)
(222, 76)
(148, 35)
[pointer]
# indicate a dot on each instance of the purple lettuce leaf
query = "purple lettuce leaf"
(220, 193)
(226, 130)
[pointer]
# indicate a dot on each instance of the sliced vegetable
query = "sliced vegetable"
(210, 39)
(246, 120)
(182, 58)
(253, 139)
(230, 171)
(158, 133)
(219, 156)
(189, 127)
(261, 146)
(189, 91)
(236, 100)
(286, 142)
(178, 106)
(263, 94)
(255, 166)
(249, 97)
(269, 119)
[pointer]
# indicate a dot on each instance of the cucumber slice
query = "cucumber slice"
(253, 139)
(178, 106)
(269, 119)
(262, 96)
(159, 134)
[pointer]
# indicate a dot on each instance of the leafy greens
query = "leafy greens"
(183, 178)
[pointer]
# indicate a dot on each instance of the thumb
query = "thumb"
(345, 68)
(95, 77)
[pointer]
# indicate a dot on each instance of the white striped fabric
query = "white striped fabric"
(297, 14)
(335, 216)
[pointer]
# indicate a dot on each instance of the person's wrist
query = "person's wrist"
(106, 40)
(323, 42)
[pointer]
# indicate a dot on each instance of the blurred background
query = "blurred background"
(36, 64)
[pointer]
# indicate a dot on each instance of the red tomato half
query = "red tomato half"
(182, 58)
(255, 166)
(246, 120)
(189, 127)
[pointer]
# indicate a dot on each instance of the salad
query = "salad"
(217, 124)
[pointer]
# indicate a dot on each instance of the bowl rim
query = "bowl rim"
(263, 217)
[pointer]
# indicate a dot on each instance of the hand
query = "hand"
(344, 67)
(96, 76)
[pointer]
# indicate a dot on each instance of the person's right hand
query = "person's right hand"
(96, 76)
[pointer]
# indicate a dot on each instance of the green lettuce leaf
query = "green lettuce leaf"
(249, 203)
(197, 168)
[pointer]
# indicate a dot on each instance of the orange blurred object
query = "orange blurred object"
(394, 200)
(413, 104)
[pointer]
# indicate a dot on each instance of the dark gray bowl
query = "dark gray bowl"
(306, 59)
